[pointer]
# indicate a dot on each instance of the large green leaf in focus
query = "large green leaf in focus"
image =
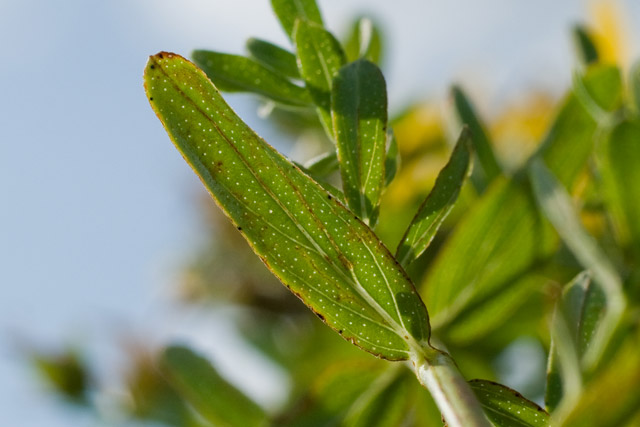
(274, 57)
(359, 108)
(438, 203)
(502, 236)
(211, 395)
(288, 11)
(621, 174)
(487, 168)
(322, 252)
(506, 407)
(234, 73)
(320, 57)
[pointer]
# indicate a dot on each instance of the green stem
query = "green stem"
(451, 392)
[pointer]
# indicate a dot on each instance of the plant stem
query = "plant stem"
(455, 399)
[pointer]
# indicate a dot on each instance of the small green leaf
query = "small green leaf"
(359, 107)
(234, 73)
(364, 41)
(487, 168)
(333, 262)
(585, 47)
(506, 407)
(438, 204)
(577, 317)
(621, 175)
(323, 165)
(278, 59)
(392, 163)
(320, 57)
(211, 395)
(288, 11)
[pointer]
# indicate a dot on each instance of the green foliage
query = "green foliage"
(508, 408)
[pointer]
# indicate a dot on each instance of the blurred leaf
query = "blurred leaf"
(634, 85)
(320, 57)
(576, 319)
(621, 173)
(487, 167)
(364, 41)
(502, 235)
(323, 165)
(613, 397)
(341, 271)
(438, 204)
(211, 395)
(384, 402)
(359, 108)
(278, 59)
(288, 11)
(556, 204)
(506, 407)
(585, 47)
(392, 162)
(234, 73)
(66, 373)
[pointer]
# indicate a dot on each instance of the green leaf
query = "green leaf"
(585, 47)
(556, 204)
(364, 41)
(622, 169)
(359, 106)
(487, 168)
(634, 85)
(384, 402)
(332, 261)
(502, 235)
(392, 163)
(278, 59)
(506, 407)
(438, 204)
(323, 165)
(288, 11)
(612, 398)
(234, 73)
(320, 57)
(211, 395)
(577, 317)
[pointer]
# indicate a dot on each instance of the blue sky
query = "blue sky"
(97, 209)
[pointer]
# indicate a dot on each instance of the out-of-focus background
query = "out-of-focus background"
(100, 214)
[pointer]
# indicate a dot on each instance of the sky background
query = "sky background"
(97, 209)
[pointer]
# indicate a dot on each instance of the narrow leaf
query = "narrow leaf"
(487, 168)
(364, 41)
(211, 395)
(585, 47)
(556, 204)
(577, 317)
(323, 165)
(438, 203)
(234, 73)
(333, 262)
(392, 163)
(320, 57)
(278, 59)
(506, 407)
(359, 104)
(288, 11)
